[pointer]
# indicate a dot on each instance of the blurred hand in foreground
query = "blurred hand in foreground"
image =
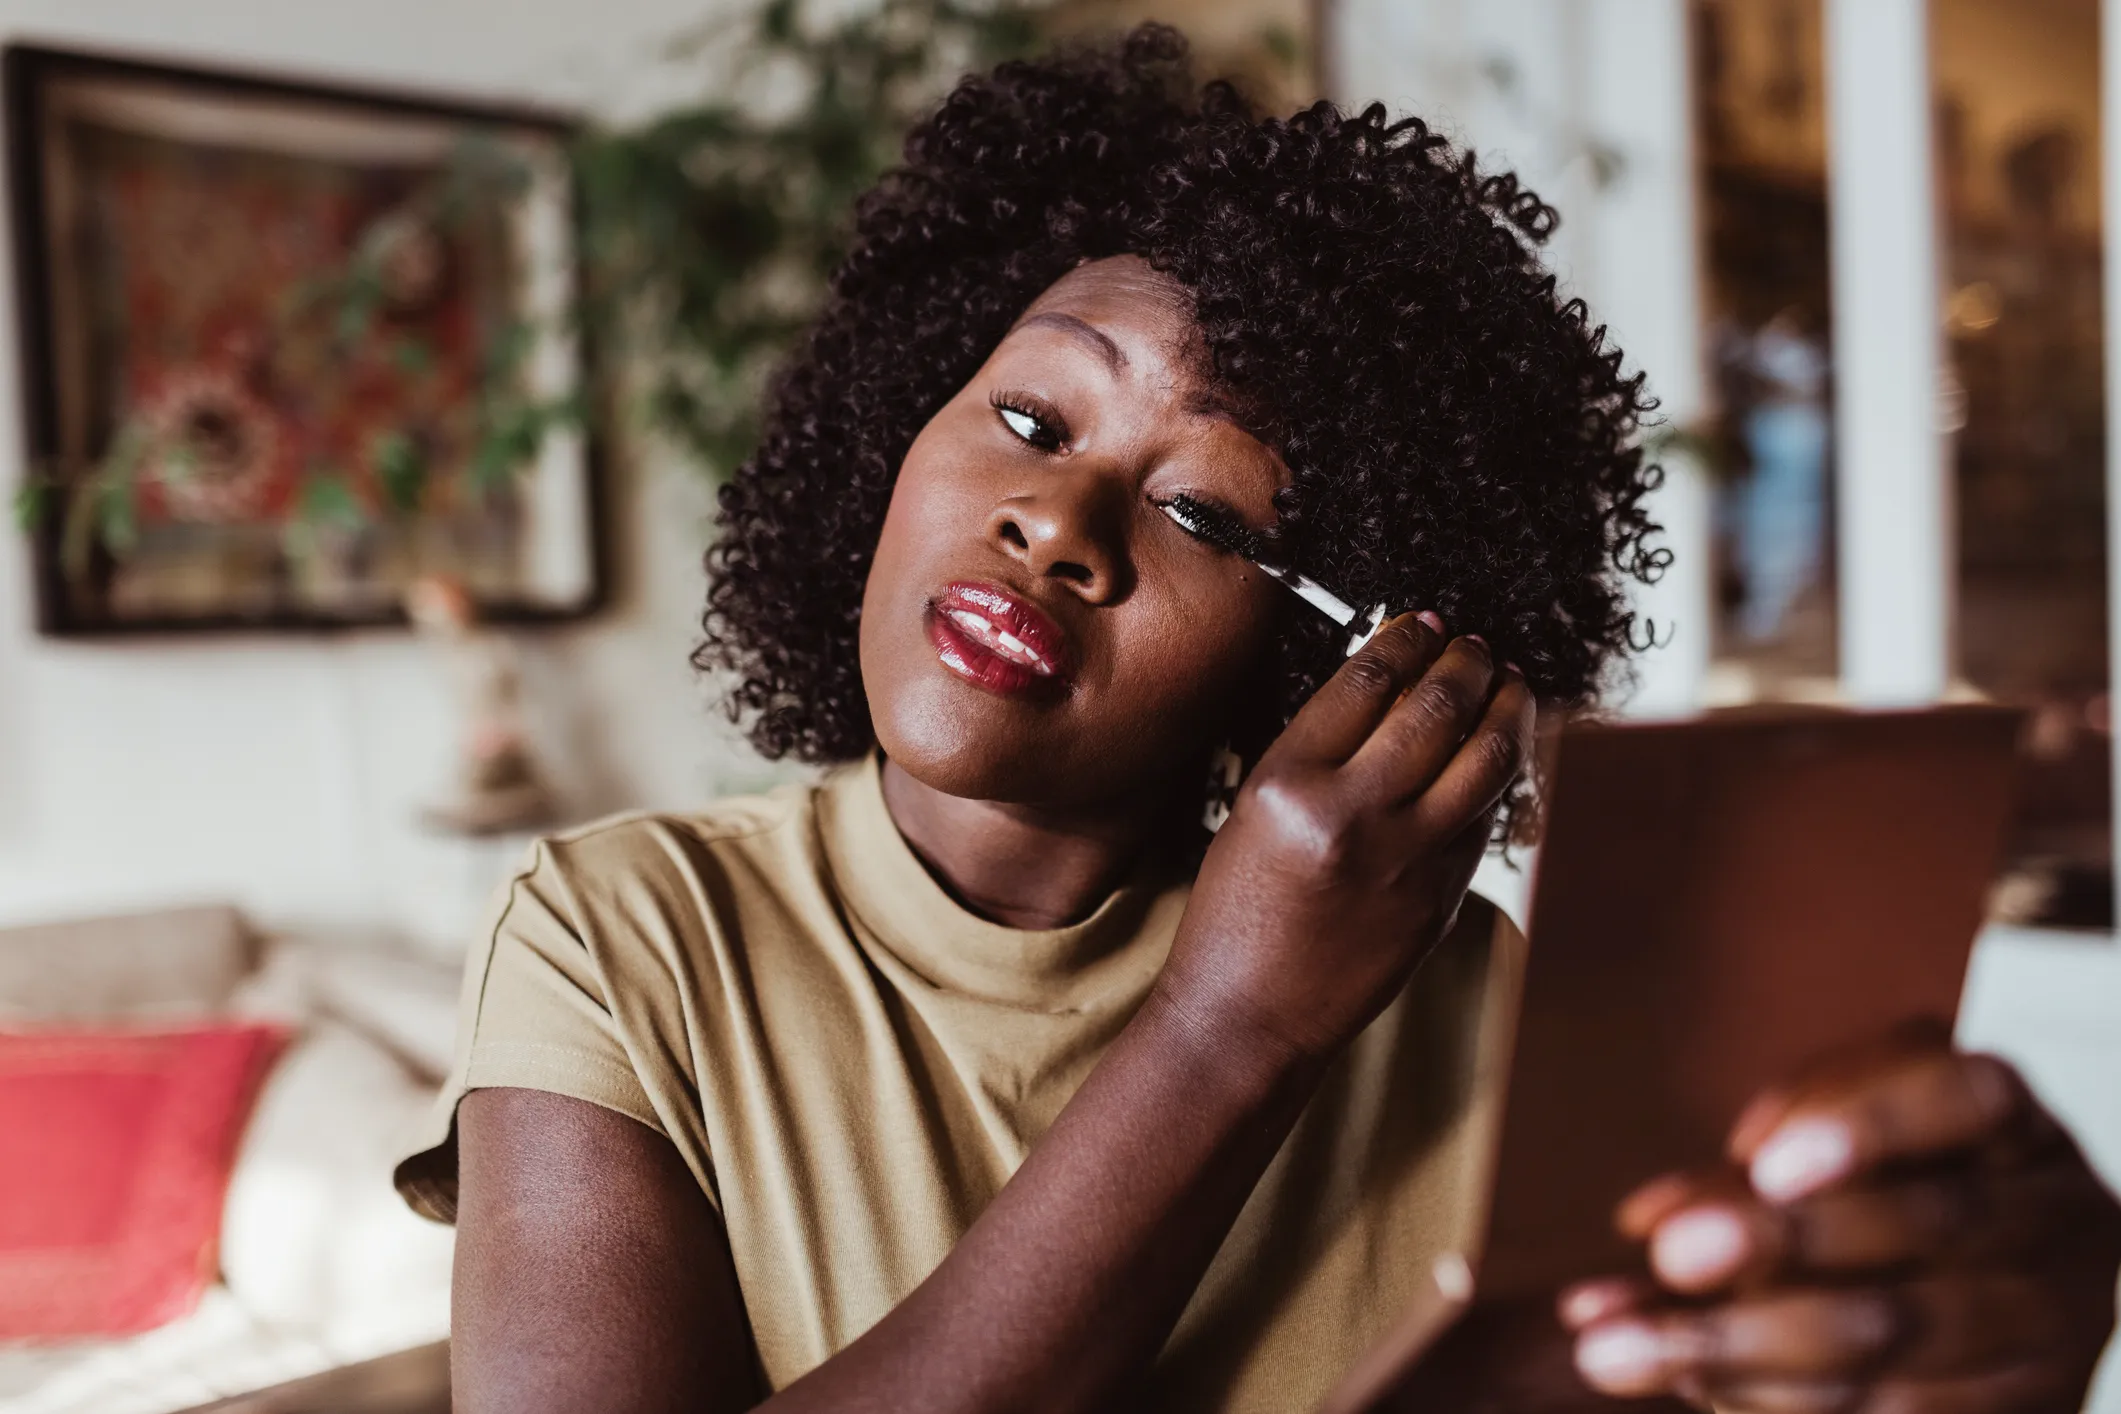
(1903, 1230)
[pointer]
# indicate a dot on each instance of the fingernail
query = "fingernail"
(1433, 619)
(1698, 1246)
(1590, 1301)
(1621, 1356)
(1581, 1304)
(1801, 1158)
(1640, 1212)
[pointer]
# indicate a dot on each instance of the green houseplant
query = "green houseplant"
(710, 231)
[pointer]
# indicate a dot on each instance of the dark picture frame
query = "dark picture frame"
(529, 542)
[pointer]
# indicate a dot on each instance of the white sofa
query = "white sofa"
(321, 1264)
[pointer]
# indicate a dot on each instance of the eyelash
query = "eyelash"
(1048, 434)
(1224, 531)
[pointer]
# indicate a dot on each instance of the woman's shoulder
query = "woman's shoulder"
(633, 840)
(736, 853)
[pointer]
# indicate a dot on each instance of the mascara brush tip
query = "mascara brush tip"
(1216, 527)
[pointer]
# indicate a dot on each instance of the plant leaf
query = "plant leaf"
(327, 498)
(33, 503)
(400, 465)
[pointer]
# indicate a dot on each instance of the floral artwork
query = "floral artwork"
(299, 351)
(204, 257)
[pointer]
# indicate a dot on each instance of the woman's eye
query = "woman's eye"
(1040, 432)
(1024, 425)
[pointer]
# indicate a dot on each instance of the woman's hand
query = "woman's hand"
(1907, 1232)
(1351, 845)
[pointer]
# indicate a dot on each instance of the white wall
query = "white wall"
(286, 772)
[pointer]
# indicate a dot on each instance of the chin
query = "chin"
(963, 742)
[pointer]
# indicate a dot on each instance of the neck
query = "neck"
(1023, 866)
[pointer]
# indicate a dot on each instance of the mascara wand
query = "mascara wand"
(1207, 523)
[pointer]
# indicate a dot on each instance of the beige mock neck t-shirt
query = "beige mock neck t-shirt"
(852, 1066)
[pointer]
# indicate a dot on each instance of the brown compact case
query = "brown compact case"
(1715, 903)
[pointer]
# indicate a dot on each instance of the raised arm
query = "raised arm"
(589, 1277)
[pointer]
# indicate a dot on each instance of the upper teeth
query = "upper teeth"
(991, 635)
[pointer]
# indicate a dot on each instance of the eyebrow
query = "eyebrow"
(1212, 402)
(1080, 330)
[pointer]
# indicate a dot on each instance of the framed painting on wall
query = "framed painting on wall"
(286, 348)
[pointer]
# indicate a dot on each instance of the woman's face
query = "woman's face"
(1035, 629)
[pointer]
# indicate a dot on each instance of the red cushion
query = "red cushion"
(115, 1149)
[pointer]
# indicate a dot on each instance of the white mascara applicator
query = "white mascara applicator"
(1207, 523)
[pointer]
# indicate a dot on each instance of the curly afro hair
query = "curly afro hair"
(1461, 438)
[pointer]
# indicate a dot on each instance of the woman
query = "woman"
(965, 1080)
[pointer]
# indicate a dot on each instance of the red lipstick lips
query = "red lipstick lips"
(995, 640)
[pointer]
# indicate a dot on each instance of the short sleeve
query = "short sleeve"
(534, 1014)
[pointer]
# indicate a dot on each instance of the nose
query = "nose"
(1074, 533)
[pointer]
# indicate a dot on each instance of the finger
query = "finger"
(1713, 1246)
(1589, 1302)
(1964, 1213)
(1916, 1036)
(1474, 837)
(1816, 1334)
(2032, 1386)
(1486, 764)
(1923, 1106)
(1944, 1326)
(1422, 732)
(1707, 1231)
(1459, 856)
(1340, 716)
(1638, 1214)
(1705, 1236)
